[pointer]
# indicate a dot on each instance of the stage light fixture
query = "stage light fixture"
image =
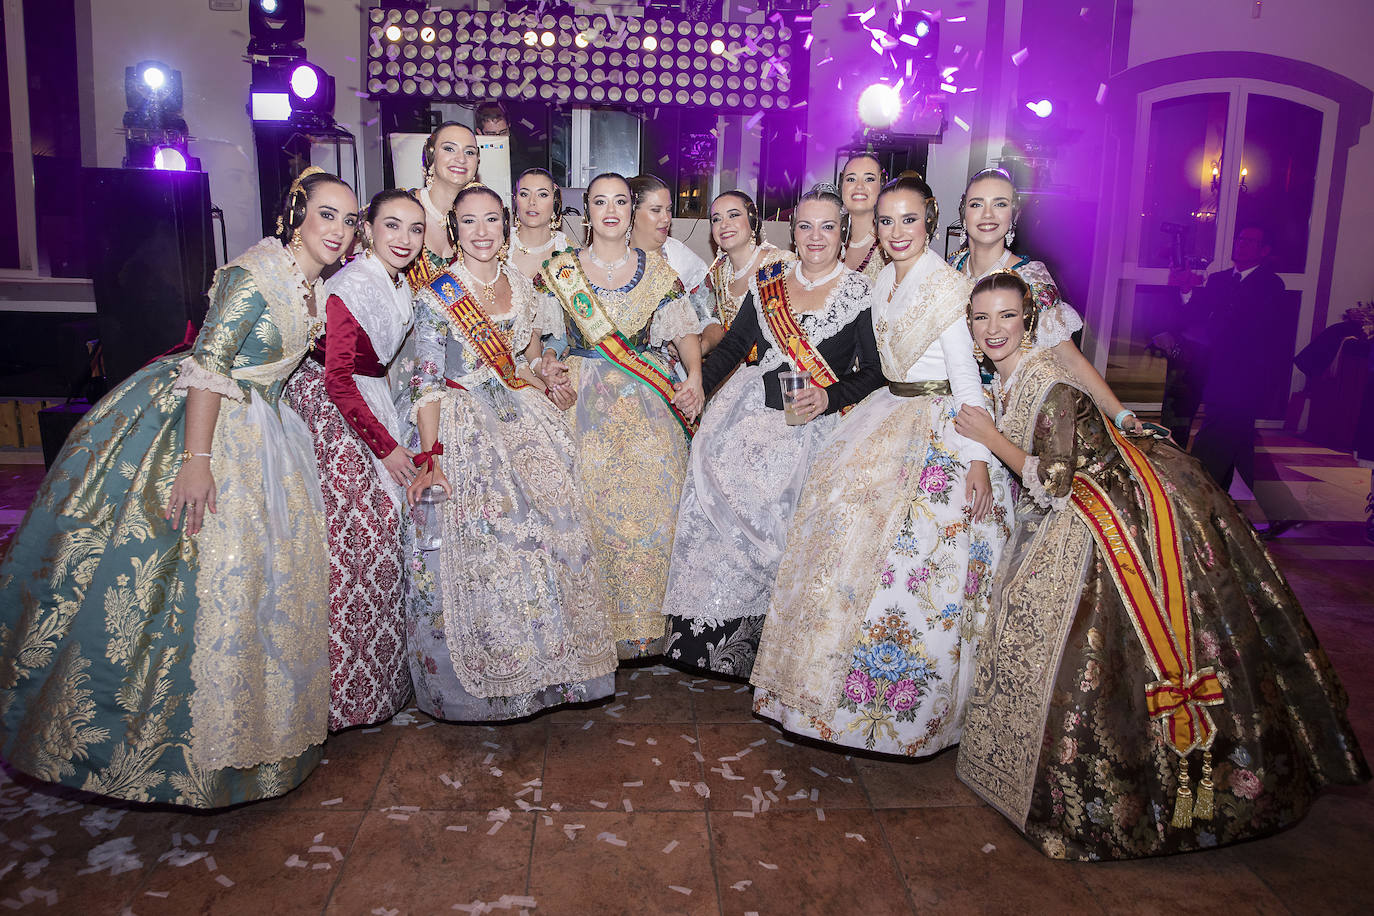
(879, 105)
(427, 34)
(650, 43)
(546, 39)
(169, 159)
(275, 26)
(393, 32)
(312, 94)
(531, 38)
(1041, 109)
(922, 28)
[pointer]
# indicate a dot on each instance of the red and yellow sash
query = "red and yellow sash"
(564, 275)
(787, 331)
(1153, 590)
(476, 327)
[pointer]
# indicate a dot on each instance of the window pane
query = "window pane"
(1179, 208)
(1280, 162)
(614, 143)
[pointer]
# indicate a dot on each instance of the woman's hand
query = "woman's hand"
(433, 476)
(811, 402)
(194, 491)
(399, 466)
(563, 396)
(553, 372)
(690, 399)
(978, 489)
(977, 424)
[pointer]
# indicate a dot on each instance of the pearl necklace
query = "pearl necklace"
(515, 243)
(809, 285)
(863, 242)
(431, 209)
(609, 268)
(735, 275)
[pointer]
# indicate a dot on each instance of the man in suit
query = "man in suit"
(1246, 322)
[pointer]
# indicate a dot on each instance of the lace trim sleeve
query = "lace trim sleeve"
(1030, 478)
(422, 401)
(675, 319)
(194, 375)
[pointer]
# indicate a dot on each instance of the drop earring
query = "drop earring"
(977, 353)
(429, 176)
(296, 242)
(1011, 236)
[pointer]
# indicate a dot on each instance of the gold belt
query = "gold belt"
(919, 389)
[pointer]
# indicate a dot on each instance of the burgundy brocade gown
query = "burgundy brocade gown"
(369, 675)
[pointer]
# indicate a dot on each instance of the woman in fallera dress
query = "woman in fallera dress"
(341, 392)
(154, 651)
(1148, 683)
(633, 420)
(747, 466)
(651, 222)
(508, 615)
(737, 231)
(537, 233)
(989, 210)
(860, 181)
(882, 592)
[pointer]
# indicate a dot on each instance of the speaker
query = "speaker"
(152, 258)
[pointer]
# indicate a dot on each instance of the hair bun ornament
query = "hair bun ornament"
(825, 187)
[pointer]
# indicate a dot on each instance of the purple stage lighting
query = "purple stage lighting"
(305, 82)
(880, 105)
(1041, 109)
(169, 159)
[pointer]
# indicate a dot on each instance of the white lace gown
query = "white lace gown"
(882, 594)
(745, 475)
(509, 615)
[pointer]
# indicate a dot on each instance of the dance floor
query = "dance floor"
(673, 798)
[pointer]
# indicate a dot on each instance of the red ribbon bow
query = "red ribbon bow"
(427, 458)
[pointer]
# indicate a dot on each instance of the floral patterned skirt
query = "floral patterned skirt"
(910, 669)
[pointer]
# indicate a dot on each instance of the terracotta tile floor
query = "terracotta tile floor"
(627, 807)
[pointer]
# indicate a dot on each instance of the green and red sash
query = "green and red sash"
(787, 331)
(564, 275)
(476, 326)
(1156, 598)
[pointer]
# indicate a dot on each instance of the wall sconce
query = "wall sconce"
(1216, 175)
(1244, 174)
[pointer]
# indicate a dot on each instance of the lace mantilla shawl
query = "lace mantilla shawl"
(850, 296)
(728, 305)
(281, 283)
(630, 309)
(384, 309)
(526, 306)
(1018, 401)
(931, 299)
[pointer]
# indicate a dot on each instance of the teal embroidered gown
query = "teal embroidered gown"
(142, 663)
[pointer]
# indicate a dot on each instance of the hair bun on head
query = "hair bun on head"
(825, 187)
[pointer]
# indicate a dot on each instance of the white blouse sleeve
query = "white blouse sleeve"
(964, 382)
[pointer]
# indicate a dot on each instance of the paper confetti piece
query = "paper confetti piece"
(670, 847)
(457, 828)
(495, 827)
(688, 738)
(608, 837)
(741, 885)
(1019, 57)
(988, 847)
(599, 804)
(225, 880)
(961, 122)
(633, 785)
(685, 891)
(629, 808)
(332, 801)
(820, 814)
(768, 865)
(1101, 92)
(742, 813)
(625, 742)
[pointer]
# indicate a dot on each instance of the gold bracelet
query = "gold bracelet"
(187, 455)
